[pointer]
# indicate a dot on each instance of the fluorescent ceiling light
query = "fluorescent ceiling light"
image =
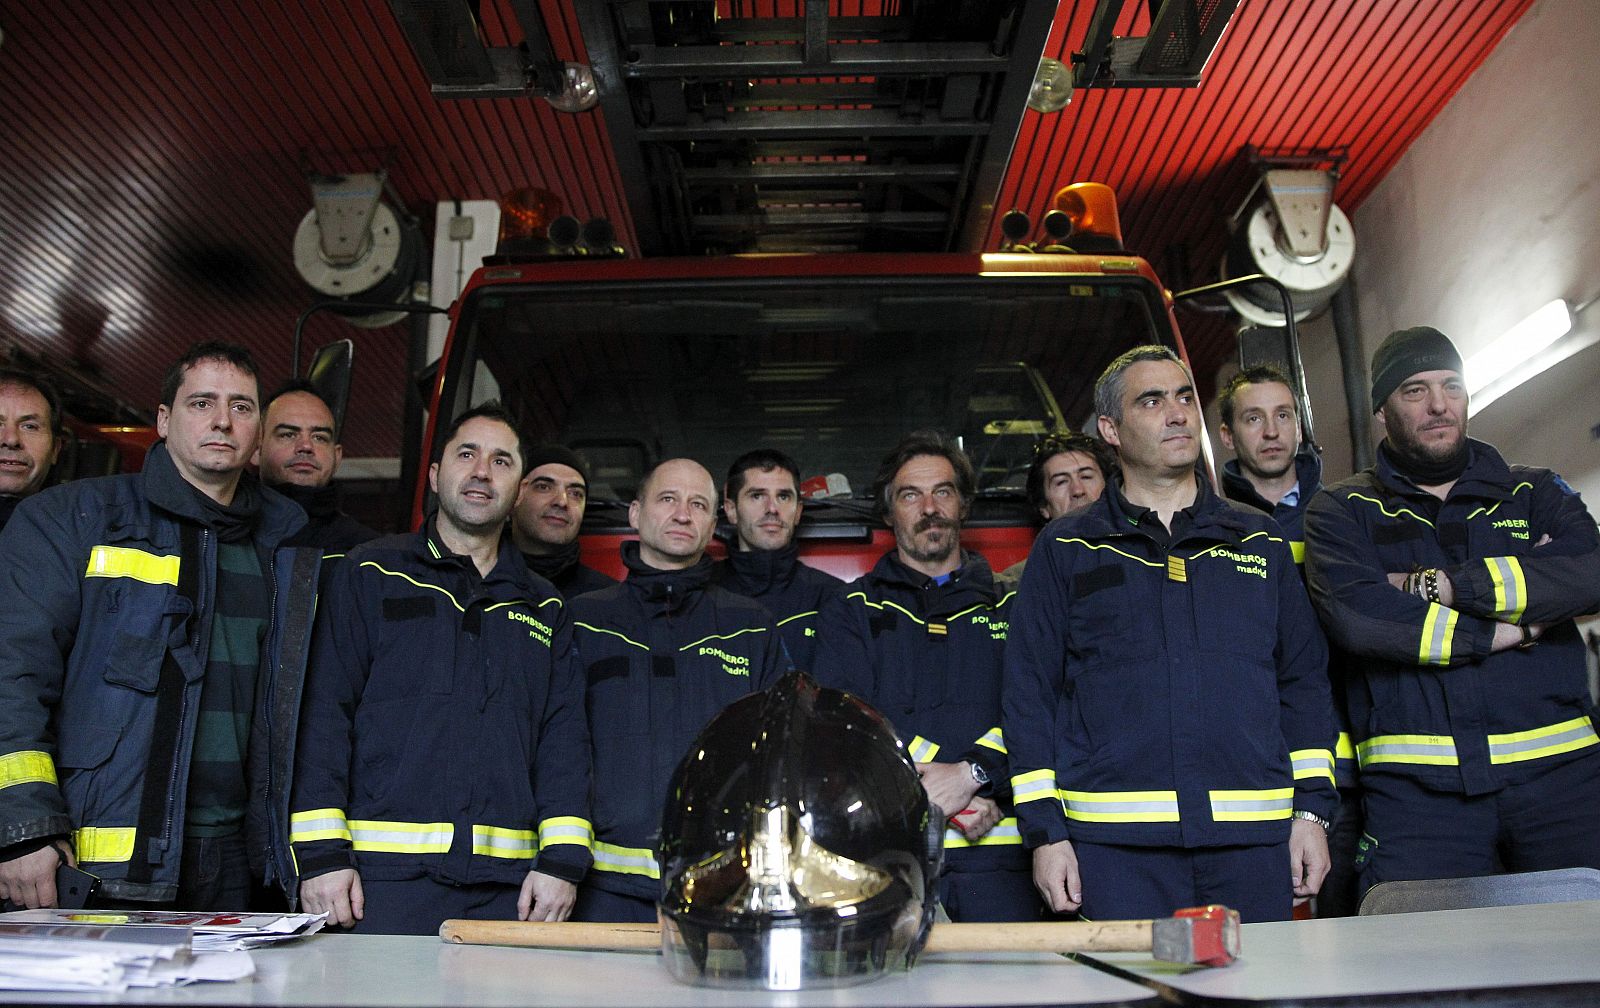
(1528, 348)
(1521, 342)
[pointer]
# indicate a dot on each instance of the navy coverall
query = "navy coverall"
(928, 656)
(793, 592)
(1469, 759)
(664, 652)
(1167, 706)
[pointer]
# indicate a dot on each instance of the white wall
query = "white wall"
(1494, 211)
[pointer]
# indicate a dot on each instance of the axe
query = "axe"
(1202, 936)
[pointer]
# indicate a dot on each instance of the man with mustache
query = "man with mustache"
(1167, 710)
(152, 629)
(30, 437)
(443, 768)
(300, 453)
(664, 652)
(761, 497)
(920, 637)
(1453, 578)
(549, 515)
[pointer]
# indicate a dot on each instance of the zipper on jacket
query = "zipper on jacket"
(183, 705)
(267, 660)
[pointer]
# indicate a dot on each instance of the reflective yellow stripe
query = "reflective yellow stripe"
(1344, 761)
(1298, 549)
(1308, 763)
(623, 637)
(1427, 750)
(566, 830)
(27, 767)
(1252, 804)
(1032, 786)
(1121, 806)
(1004, 834)
(1437, 630)
(122, 561)
(1510, 587)
(993, 739)
(401, 837)
(104, 844)
(318, 824)
(500, 842)
(626, 860)
(921, 750)
(1536, 743)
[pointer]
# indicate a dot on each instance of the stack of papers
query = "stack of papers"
(112, 950)
(49, 957)
(212, 932)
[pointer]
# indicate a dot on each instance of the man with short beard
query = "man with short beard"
(548, 517)
(299, 455)
(762, 499)
(1453, 578)
(921, 637)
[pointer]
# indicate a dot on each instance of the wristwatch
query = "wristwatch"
(1313, 817)
(980, 776)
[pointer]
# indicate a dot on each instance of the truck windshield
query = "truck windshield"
(832, 370)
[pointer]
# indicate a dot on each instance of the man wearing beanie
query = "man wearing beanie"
(1452, 579)
(548, 517)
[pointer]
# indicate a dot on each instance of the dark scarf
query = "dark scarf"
(551, 566)
(321, 504)
(1426, 472)
(232, 522)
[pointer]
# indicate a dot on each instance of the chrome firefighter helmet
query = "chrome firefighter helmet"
(798, 848)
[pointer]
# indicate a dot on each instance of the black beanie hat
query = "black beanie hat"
(545, 454)
(1408, 352)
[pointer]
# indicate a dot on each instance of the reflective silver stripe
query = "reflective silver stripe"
(303, 829)
(625, 860)
(922, 751)
(1121, 806)
(1032, 786)
(503, 843)
(549, 834)
(993, 739)
(1506, 574)
(1252, 805)
(1311, 763)
(401, 838)
(1438, 750)
(1005, 832)
(1540, 742)
(1437, 629)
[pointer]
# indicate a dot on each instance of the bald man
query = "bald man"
(664, 651)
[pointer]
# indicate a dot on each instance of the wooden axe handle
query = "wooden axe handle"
(1050, 936)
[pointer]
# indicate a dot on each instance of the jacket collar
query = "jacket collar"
(1307, 471)
(510, 577)
(1487, 475)
(670, 589)
(969, 584)
(755, 571)
(166, 489)
(1113, 515)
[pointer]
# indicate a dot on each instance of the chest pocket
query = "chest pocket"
(1098, 612)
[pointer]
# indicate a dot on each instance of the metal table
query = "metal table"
(377, 971)
(1525, 955)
